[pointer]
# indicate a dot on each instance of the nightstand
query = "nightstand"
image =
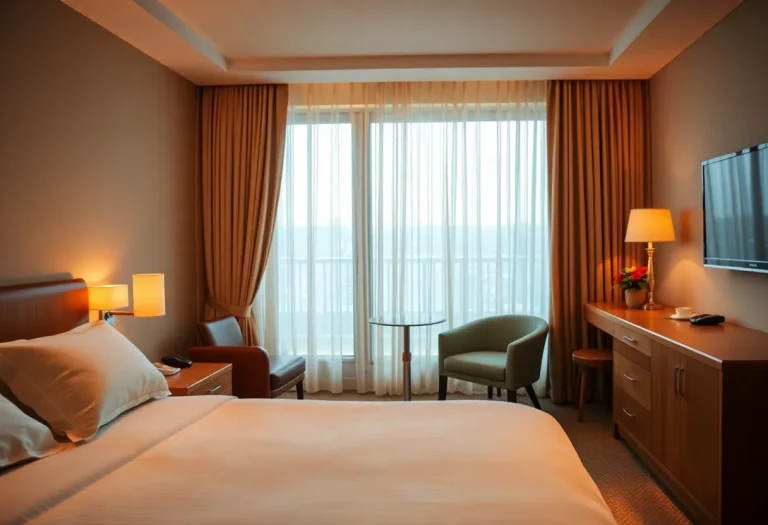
(202, 379)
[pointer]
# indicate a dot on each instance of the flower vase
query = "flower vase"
(635, 298)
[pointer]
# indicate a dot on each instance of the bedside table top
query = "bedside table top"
(199, 374)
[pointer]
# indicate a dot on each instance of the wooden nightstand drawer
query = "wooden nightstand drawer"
(632, 339)
(633, 379)
(202, 379)
(631, 415)
(220, 384)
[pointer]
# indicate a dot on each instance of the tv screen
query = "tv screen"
(736, 210)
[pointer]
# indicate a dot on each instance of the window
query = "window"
(403, 208)
(313, 240)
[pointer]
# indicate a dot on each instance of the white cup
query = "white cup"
(683, 312)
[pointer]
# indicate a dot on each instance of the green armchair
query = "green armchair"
(503, 352)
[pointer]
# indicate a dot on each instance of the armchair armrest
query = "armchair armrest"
(250, 367)
(524, 357)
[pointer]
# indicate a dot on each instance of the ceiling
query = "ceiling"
(253, 41)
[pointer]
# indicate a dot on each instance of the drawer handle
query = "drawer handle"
(630, 378)
(214, 390)
(627, 412)
(681, 387)
(630, 339)
(677, 380)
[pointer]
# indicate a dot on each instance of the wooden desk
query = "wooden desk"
(689, 400)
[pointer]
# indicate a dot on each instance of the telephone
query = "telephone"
(176, 361)
(166, 370)
(707, 319)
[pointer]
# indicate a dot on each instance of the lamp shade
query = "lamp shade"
(108, 296)
(148, 294)
(650, 225)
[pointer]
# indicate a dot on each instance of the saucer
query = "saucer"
(678, 318)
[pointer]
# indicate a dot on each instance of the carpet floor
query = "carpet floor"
(631, 491)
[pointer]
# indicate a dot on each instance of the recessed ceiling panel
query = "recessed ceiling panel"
(316, 28)
(291, 41)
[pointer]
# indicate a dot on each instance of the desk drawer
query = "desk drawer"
(220, 384)
(633, 379)
(628, 352)
(632, 338)
(631, 415)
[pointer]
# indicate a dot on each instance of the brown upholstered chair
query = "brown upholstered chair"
(255, 374)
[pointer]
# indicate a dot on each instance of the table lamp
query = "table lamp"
(650, 225)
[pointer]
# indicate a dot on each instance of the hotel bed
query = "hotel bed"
(216, 459)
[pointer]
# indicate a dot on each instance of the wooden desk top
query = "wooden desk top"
(725, 343)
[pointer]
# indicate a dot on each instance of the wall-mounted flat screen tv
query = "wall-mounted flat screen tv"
(736, 210)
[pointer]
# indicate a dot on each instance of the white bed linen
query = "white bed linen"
(30, 490)
(283, 461)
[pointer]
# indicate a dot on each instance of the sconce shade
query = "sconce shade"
(650, 225)
(148, 294)
(108, 296)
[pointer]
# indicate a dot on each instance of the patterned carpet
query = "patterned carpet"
(630, 490)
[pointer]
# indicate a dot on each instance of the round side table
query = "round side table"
(406, 322)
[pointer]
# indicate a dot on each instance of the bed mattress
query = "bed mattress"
(222, 460)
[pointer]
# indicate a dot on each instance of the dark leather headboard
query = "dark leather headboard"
(36, 310)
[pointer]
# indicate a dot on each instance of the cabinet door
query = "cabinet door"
(700, 413)
(665, 408)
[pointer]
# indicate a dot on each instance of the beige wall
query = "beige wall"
(97, 172)
(711, 100)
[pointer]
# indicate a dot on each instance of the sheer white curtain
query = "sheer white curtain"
(306, 301)
(425, 198)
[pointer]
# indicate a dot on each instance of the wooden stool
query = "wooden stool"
(585, 359)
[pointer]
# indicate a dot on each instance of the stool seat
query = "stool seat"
(586, 358)
(592, 357)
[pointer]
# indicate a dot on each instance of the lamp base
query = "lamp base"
(652, 306)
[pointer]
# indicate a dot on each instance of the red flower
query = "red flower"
(642, 269)
(618, 278)
(637, 275)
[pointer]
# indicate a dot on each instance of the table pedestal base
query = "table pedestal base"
(407, 363)
(406, 322)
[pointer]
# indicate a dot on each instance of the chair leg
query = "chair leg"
(532, 395)
(300, 390)
(511, 396)
(575, 390)
(490, 392)
(442, 392)
(498, 392)
(583, 392)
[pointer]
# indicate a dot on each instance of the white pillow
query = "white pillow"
(80, 380)
(21, 437)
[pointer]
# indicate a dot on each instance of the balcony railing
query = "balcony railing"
(478, 285)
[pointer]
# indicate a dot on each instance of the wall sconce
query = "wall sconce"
(106, 297)
(148, 294)
(148, 297)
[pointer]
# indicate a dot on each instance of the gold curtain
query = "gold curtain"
(243, 136)
(598, 145)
